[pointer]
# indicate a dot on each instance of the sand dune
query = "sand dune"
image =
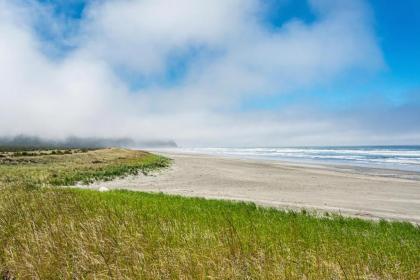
(366, 193)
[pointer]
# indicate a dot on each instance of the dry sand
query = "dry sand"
(366, 193)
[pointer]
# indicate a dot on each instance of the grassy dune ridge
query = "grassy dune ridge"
(54, 233)
(68, 167)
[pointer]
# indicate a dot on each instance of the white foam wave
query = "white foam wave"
(400, 158)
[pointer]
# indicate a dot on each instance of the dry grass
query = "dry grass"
(55, 233)
(64, 168)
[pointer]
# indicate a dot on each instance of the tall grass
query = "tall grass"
(56, 233)
(46, 169)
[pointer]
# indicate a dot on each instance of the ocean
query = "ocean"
(389, 157)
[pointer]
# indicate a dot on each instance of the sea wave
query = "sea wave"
(396, 157)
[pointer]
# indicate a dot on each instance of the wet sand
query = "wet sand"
(361, 192)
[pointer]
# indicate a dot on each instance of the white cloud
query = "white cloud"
(143, 34)
(237, 56)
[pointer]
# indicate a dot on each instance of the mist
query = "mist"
(35, 142)
(153, 71)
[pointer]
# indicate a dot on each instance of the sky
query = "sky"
(212, 73)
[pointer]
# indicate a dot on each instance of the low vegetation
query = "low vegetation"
(34, 169)
(48, 232)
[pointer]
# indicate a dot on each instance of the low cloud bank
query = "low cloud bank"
(33, 142)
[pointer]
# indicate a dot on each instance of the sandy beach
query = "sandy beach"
(361, 192)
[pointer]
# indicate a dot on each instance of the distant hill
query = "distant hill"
(34, 142)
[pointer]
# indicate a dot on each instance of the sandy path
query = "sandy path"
(285, 186)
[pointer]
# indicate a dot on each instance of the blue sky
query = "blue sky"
(398, 33)
(279, 71)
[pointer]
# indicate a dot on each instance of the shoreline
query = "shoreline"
(394, 160)
(365, 194)
(339, 167)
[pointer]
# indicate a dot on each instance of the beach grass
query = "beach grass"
(34, 169)
(48, 232)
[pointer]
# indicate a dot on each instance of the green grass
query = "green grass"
(64, 168)
(56, 233)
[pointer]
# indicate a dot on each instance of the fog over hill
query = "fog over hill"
(24, 141)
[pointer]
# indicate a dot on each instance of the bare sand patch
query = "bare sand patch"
(366, 193)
